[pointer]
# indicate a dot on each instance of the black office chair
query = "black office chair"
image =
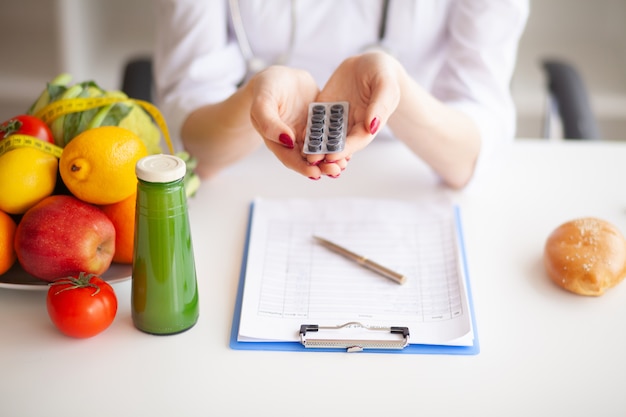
(137, 78)
(569, 100)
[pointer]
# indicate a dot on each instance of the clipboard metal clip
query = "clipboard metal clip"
(398, 337)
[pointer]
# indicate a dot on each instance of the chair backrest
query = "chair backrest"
(568, 90)
(137, 79)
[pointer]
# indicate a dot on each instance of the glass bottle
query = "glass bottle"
(164, 296)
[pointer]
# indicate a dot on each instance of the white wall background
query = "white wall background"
(91, 39)
(591, 34)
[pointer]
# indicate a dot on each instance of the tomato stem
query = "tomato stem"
(10, 127)
(82, 281)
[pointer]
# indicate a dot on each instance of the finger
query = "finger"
(333, 169)
(314, 159)
(266, 120)
(293, 160)
(342, 163)
(333, 158)
(384, 101)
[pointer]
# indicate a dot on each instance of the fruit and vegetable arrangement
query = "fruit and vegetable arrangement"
(67, 194)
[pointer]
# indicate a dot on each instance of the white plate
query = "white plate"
(17, 279)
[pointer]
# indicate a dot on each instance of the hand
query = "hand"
(280, 101)
(370, 83)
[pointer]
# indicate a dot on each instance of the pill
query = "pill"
(316, 136)
(334, 135)
(333, 145)
(336, 109)
(317, 118)
(335, 127)
(316, 127)
(319, 109)
(336, 118)
(315, 145)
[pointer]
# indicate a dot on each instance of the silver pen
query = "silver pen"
(362, 260)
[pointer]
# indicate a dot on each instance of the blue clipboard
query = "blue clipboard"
(295, 346)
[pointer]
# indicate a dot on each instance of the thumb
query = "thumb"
(266, 120)
(384, 100)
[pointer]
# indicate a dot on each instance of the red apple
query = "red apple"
(63, 236)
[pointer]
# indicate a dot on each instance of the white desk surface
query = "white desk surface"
(544, 352)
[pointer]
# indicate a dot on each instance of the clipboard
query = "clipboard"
(372, 345)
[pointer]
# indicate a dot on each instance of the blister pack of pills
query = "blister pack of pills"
(326, 128)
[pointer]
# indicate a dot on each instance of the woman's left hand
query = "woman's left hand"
(369, 82)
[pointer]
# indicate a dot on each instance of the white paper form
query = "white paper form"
(291, 280)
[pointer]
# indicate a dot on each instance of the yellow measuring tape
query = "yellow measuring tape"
(20, 141)
(73, 105)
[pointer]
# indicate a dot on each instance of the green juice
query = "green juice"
(164, 286)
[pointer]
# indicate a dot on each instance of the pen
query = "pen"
(362, 260)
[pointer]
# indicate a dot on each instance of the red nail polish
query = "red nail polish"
(314, 178)
(286, 140)
(374, 125)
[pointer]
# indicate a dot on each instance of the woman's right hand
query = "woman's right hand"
(280, 101)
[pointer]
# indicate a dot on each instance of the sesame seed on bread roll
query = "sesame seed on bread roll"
(586, 256)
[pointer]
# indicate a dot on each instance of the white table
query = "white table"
(543, 351)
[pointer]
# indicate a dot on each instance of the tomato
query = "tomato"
(81, 306)
(25, 124)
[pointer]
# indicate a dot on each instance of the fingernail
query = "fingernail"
(374, 125)
(314, 178)
(286, 140)
(316, 163)
(334, 176)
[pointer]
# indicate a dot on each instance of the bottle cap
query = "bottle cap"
(160, 168)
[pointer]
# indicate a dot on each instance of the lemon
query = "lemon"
(27, 176)
(98, 165)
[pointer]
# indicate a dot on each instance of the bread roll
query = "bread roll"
(586, 256)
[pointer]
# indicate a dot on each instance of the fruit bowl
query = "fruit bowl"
(17, 278)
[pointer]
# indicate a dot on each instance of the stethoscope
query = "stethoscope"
(255, 64)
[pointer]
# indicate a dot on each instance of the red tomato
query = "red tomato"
(25, 124)
(81, 306)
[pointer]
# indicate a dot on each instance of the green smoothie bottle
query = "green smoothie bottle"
(164, 298)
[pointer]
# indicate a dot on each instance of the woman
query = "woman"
(436, 72)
